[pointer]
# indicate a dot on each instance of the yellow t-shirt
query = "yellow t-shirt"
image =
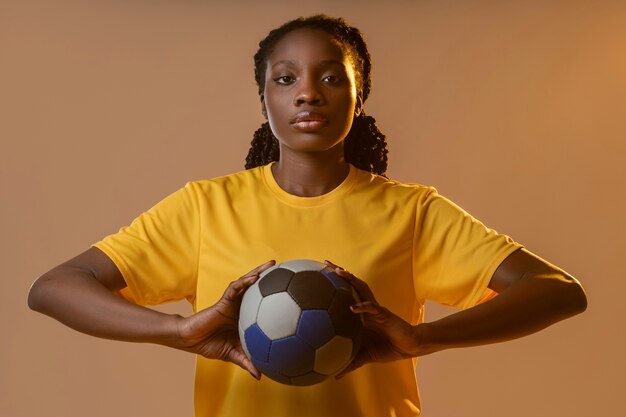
(405, 240)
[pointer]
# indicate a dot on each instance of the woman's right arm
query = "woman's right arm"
(81, 293)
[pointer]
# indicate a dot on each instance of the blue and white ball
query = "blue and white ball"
(296, 325)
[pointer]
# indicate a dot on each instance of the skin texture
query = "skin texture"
(308, 73)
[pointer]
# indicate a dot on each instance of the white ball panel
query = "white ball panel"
(333, 356)
(250, 306)
(243, 342)
(278, 315)
(299, 265)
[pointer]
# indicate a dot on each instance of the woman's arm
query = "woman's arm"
(532, 294)
(80, 293)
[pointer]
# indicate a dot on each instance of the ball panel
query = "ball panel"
(309, 379)
(256, 344)
(298, 265)
(276, 281)
(345, 322)
(311, 290)
(268, 270)
(291, 356)
(242, 338)
(250, 306)
(315, 327)
(333, 356)
(278, 316)
(268, 370)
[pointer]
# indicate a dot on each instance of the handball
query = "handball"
(295, 323)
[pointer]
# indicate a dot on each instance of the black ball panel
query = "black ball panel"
(275, 281)
(311, 290)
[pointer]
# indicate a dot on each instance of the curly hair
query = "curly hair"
(365, 146)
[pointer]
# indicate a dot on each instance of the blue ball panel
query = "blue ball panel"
(269, 371)
(315, 327)
(291, 356)
(257, 343)
(309, 379)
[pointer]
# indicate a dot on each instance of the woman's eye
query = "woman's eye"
(284, 79)
(332, 79)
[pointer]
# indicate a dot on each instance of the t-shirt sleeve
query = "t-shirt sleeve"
(158, 253)
(454, 255)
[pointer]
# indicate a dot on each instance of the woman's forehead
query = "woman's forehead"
(308, 45)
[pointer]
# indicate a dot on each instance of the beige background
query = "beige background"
(514, 109)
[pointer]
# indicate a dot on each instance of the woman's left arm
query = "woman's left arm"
(532, 294)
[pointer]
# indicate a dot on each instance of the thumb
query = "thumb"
(238, 357)
(359, 360)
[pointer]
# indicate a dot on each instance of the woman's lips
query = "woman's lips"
(307, 121)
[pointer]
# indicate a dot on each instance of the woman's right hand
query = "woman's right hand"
(213, 332)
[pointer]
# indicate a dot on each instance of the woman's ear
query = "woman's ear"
(263, 109)
(359, 106)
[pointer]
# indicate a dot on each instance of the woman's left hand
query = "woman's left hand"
(386, 337)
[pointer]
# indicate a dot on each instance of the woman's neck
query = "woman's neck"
(309, 175)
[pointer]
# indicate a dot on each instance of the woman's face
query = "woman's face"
(310, 93)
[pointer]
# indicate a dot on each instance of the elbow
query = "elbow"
(579, 298)
(35, 295)
(558, 295)
(570, 298)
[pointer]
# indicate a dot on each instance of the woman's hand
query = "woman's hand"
(386, 337)
(213, 332)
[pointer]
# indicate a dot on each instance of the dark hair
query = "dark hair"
(365, 146)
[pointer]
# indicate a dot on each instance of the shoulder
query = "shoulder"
(231, 183)
(384, 187)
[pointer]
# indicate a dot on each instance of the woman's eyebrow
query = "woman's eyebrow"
(332, 62)
(291, 62)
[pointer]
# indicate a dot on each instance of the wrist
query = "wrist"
(425, 339)
(171, 334)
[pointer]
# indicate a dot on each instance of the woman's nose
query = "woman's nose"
(308, 92)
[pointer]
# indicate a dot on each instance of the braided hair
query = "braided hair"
(364, 146)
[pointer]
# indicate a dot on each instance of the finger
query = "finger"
(260, 268)
(367, 307)
(332, 265)
(360, 360)
(339, 270)
(361, 287)
(237, 288)
(238, 357)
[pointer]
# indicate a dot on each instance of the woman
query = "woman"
(314, 188)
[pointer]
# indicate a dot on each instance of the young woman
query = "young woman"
(314, 188)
